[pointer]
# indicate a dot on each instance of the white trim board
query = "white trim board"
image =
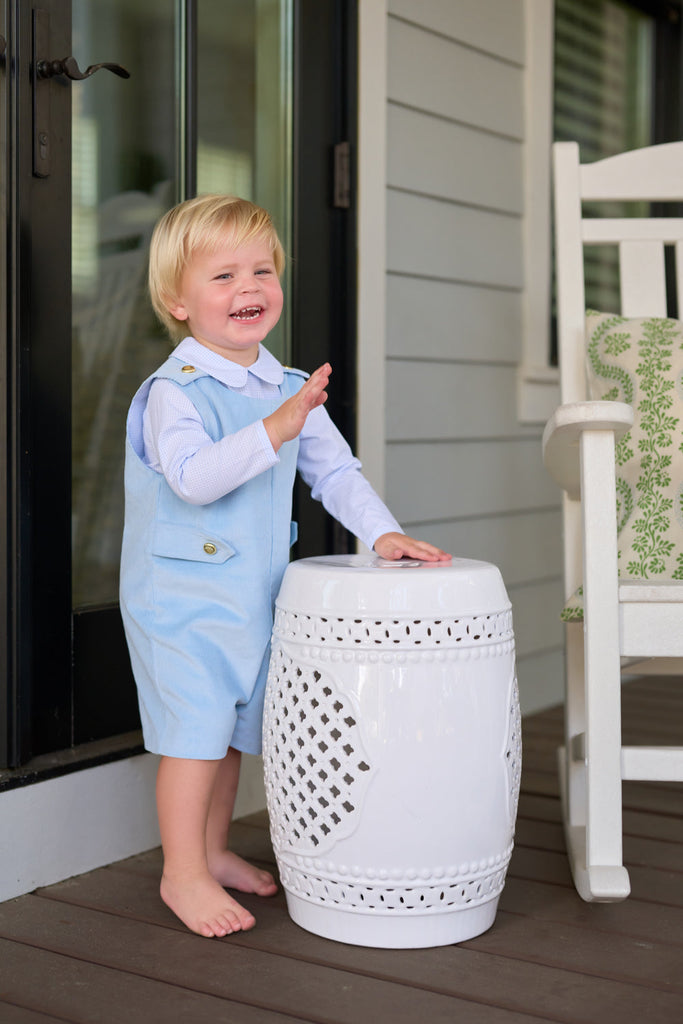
(371, 301)
(62, 827)
(538, 383)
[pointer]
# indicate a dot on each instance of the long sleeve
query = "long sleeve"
(200, 470)
(196, 468)
(334, 475)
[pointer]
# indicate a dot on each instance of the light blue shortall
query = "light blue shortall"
(198, 582)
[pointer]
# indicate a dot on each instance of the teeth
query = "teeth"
(249, 313)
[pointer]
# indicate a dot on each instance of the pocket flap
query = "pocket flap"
(173, 540)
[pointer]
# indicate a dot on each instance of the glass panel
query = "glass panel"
(603, 76)
(124, 142)
(123, 160)
(244, 112)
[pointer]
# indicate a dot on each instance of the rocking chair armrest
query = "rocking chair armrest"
(562, 436)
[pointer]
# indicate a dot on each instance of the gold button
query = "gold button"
(210, 548)
(188, 369)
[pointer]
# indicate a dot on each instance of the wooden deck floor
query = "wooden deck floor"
(102, 947)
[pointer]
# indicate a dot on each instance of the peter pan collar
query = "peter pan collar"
(267, 368)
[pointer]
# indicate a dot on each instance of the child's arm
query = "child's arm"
(329, 467)
(200, 470)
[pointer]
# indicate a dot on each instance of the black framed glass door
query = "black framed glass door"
(245, 96)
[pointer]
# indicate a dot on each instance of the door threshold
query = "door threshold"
(63, 762)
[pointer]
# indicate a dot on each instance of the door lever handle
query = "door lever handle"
(69, 67)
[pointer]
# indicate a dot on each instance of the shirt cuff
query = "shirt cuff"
(266, 444)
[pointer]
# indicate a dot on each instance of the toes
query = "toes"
(236, 919)
(223, 926)
(247, 922)
(231, 922)
(266, 889)
(267, 885)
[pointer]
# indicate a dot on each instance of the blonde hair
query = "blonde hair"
(201, 225)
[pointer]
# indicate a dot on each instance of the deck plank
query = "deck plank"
(68, 952)
(648, 922)
(227, 970)
(502, 981)
(20, 1015)
(75, 990)
(650, 885)
(666, 854)
(585, 951)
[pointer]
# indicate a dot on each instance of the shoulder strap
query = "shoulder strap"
(180, 373)
(299, 373)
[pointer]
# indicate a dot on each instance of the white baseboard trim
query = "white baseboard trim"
(62, 827)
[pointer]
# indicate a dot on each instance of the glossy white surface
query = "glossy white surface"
(343, 584)
(392, 748)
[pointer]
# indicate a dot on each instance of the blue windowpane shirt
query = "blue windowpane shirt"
(200, 470)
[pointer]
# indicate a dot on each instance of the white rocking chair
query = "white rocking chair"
(623, 619)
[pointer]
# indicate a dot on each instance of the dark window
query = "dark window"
(617, 86)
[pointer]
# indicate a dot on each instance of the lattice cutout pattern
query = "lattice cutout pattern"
(465, 631)
(402, 899)
(315, 767)
(513, 753)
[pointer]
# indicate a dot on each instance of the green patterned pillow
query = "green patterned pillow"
(640, 361)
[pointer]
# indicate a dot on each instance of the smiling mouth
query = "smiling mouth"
(248, 313)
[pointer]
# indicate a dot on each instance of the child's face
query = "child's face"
(231, 299)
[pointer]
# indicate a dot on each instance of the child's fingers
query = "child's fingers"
(319, 377)
(313, 392)
(396, 545)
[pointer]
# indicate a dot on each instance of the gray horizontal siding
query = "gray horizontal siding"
(461, 470)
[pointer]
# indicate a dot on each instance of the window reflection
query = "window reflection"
(124, 159)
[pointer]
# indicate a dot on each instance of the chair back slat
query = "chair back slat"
(606, 230)
(642, 279)
(654, 173)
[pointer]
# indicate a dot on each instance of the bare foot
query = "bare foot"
(235, 873)
(203, 905)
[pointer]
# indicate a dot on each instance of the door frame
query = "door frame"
(37, 685)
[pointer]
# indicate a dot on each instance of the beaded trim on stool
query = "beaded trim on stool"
(433, 895)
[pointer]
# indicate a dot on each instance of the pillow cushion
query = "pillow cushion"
(640, 361)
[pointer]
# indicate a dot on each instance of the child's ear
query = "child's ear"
(178, 311)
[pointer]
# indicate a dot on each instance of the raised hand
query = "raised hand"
(287, 422)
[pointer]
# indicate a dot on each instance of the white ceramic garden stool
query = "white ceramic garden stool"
(392, 748)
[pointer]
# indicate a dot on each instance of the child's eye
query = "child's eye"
(224, 277)
(264, 270)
